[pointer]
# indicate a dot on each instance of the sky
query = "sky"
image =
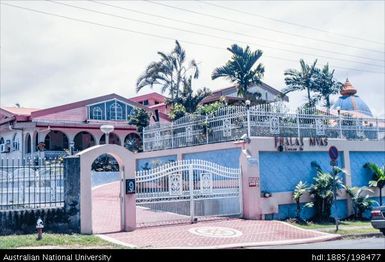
(48, 60)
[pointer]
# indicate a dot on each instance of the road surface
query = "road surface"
(365, 243)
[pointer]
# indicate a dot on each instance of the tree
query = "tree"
(140, 118)
(209, 109)
(170, 73)
(299, 190)
(378, 179)
(322, 191)
(360, 201)
(298, 80)
(240, 70)
(177, 111)
(188, 99)
(326, 85)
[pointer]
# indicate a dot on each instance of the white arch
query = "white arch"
(126, 161)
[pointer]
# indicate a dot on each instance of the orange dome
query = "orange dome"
(348, 89)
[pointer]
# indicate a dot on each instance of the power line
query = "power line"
(205, 34)
(158, 36)
(261, 27)
(228, 31)
(288, 22)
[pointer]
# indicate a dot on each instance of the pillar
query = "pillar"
(251, 192)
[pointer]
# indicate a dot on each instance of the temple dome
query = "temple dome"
(349, 101)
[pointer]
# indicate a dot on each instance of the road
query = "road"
(365, 243)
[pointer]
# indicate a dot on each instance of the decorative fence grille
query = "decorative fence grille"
(31, 184)
(186, 189)
(230, 123)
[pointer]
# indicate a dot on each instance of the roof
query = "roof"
(352, 103)
(146, 96)
(20, 111)
(16, 113)
(84, 103)
(231, 89)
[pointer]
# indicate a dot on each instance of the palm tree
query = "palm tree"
(326, 85)
(299, 190)
(241, 71)
(188, 99)
(302, 79)
(322, 191)
(170, 73)
(378, 179)
(360, 201)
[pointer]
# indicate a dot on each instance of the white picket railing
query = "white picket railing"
(186, 188)
(230, 123)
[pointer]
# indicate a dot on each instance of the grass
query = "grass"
(346, 227)
(56, 241)
(312, 225)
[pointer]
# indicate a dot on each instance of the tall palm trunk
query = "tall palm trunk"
(328, 104)
(308, 95)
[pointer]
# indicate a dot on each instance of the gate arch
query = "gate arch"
(126, 161)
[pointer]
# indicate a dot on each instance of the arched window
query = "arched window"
(97, 113)
(116, 112)
(15, 142)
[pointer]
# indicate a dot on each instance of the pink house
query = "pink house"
(154, 101)
(71, 126)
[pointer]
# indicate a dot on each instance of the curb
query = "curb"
(261, 244)
(115, 241)
(362, 235)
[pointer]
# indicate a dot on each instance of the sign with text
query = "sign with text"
(253, 181)
(297, 143)
(130, 186)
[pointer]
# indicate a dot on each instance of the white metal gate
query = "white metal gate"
(187, 190)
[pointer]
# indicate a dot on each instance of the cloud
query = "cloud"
(47, 61)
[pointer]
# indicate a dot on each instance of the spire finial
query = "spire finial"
(348, 89)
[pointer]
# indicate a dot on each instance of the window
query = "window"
(145, 102)
(156, 102)
(116, 112)
(15, 142)
(97, 113)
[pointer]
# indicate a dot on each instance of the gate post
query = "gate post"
(251, 193)
(191, 187)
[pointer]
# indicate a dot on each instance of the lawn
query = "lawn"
(345, 227)
(55, 241)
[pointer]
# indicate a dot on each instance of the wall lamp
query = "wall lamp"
(266, 194)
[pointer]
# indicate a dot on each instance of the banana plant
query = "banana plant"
(378, 177)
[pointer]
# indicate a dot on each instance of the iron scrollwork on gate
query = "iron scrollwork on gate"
(274, 125)
(189, 136)
(319, 127)
(359, 128)
(175, 184)
(226, 127)
(206, 183)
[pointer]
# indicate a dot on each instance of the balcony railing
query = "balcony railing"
(230, 123)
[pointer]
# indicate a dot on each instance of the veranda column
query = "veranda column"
(251, 192)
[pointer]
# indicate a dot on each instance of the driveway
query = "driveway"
(224, 233)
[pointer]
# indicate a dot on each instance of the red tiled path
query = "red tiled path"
(106, 211)
(254, 233)
(106, 220)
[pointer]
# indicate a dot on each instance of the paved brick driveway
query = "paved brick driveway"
(206, 234)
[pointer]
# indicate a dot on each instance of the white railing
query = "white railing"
(185, 187)
(230, 123)
(26, 184)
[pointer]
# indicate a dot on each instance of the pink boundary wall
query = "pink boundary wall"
(254, 206)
